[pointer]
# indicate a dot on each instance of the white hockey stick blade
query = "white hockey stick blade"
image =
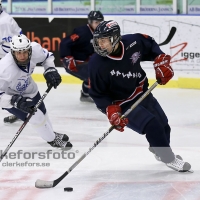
(191, 171)
(43, 184)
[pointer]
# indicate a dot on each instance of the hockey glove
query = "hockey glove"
(69, 63)
(114, 115)
(164, 71)
(25, 104)
(52, 77)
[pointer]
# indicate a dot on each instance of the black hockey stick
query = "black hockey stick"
(25, 122)
(50, 184)
(170, 36)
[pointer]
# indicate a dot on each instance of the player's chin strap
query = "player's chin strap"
(25, 122)
(49, 184)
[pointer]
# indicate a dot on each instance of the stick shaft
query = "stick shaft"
(48, 184)
(24, 124)
(140, 99)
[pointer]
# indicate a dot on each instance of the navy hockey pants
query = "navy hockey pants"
(22, 115)
(149, 118)
(82, 74)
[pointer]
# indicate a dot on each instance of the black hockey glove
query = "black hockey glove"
(52, 77)
(25, 104)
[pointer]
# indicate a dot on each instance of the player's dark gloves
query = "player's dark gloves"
(114, 115)
(164, 71)
(69, 62)
(25, 104)
(52, 77)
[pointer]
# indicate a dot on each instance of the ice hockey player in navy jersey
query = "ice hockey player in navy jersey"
(76, 49)
(117, 81)
(18, 91)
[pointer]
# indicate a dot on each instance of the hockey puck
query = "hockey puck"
(68, 189)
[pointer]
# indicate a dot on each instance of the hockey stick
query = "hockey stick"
(50, 184)
(25, 122)
(169, 37)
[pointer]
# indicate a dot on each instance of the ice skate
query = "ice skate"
(85, 98)
(158, 158)
(179, 165)
(63, 137)
(10, 119)
(61, 141)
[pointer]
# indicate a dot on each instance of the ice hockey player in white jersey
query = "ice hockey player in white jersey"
(18, 91)
(8, 28)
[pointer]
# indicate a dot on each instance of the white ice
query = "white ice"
(119, 168)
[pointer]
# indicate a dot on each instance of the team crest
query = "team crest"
(22, 85)
(135, 57)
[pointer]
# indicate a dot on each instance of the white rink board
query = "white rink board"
(185, 42)
(187, 36)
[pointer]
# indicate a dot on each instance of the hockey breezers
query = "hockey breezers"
(25, 123)
(169, 37)
(50, 184)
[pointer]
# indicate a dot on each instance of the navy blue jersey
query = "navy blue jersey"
(78, 44)
(119, 80)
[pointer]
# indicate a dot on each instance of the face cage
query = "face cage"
(25, 63)
(104, 52)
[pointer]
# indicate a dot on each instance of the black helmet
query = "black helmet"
(106, 29)
(95, 15)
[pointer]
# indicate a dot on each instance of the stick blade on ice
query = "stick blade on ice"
(50, 184)
(43, 184)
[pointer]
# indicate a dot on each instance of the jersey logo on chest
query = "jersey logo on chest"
(22, 85)
(126, 75)
(135, 57)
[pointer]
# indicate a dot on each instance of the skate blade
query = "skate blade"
(189, 171)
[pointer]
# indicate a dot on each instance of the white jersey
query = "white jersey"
(16, 80)
(8, 28)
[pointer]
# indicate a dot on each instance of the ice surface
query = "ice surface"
(120, 167)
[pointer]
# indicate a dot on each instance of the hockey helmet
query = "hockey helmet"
(95, 15)
(106, 29)
(21, 43)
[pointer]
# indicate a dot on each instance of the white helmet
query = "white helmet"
(21, 43)
(1, 8)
